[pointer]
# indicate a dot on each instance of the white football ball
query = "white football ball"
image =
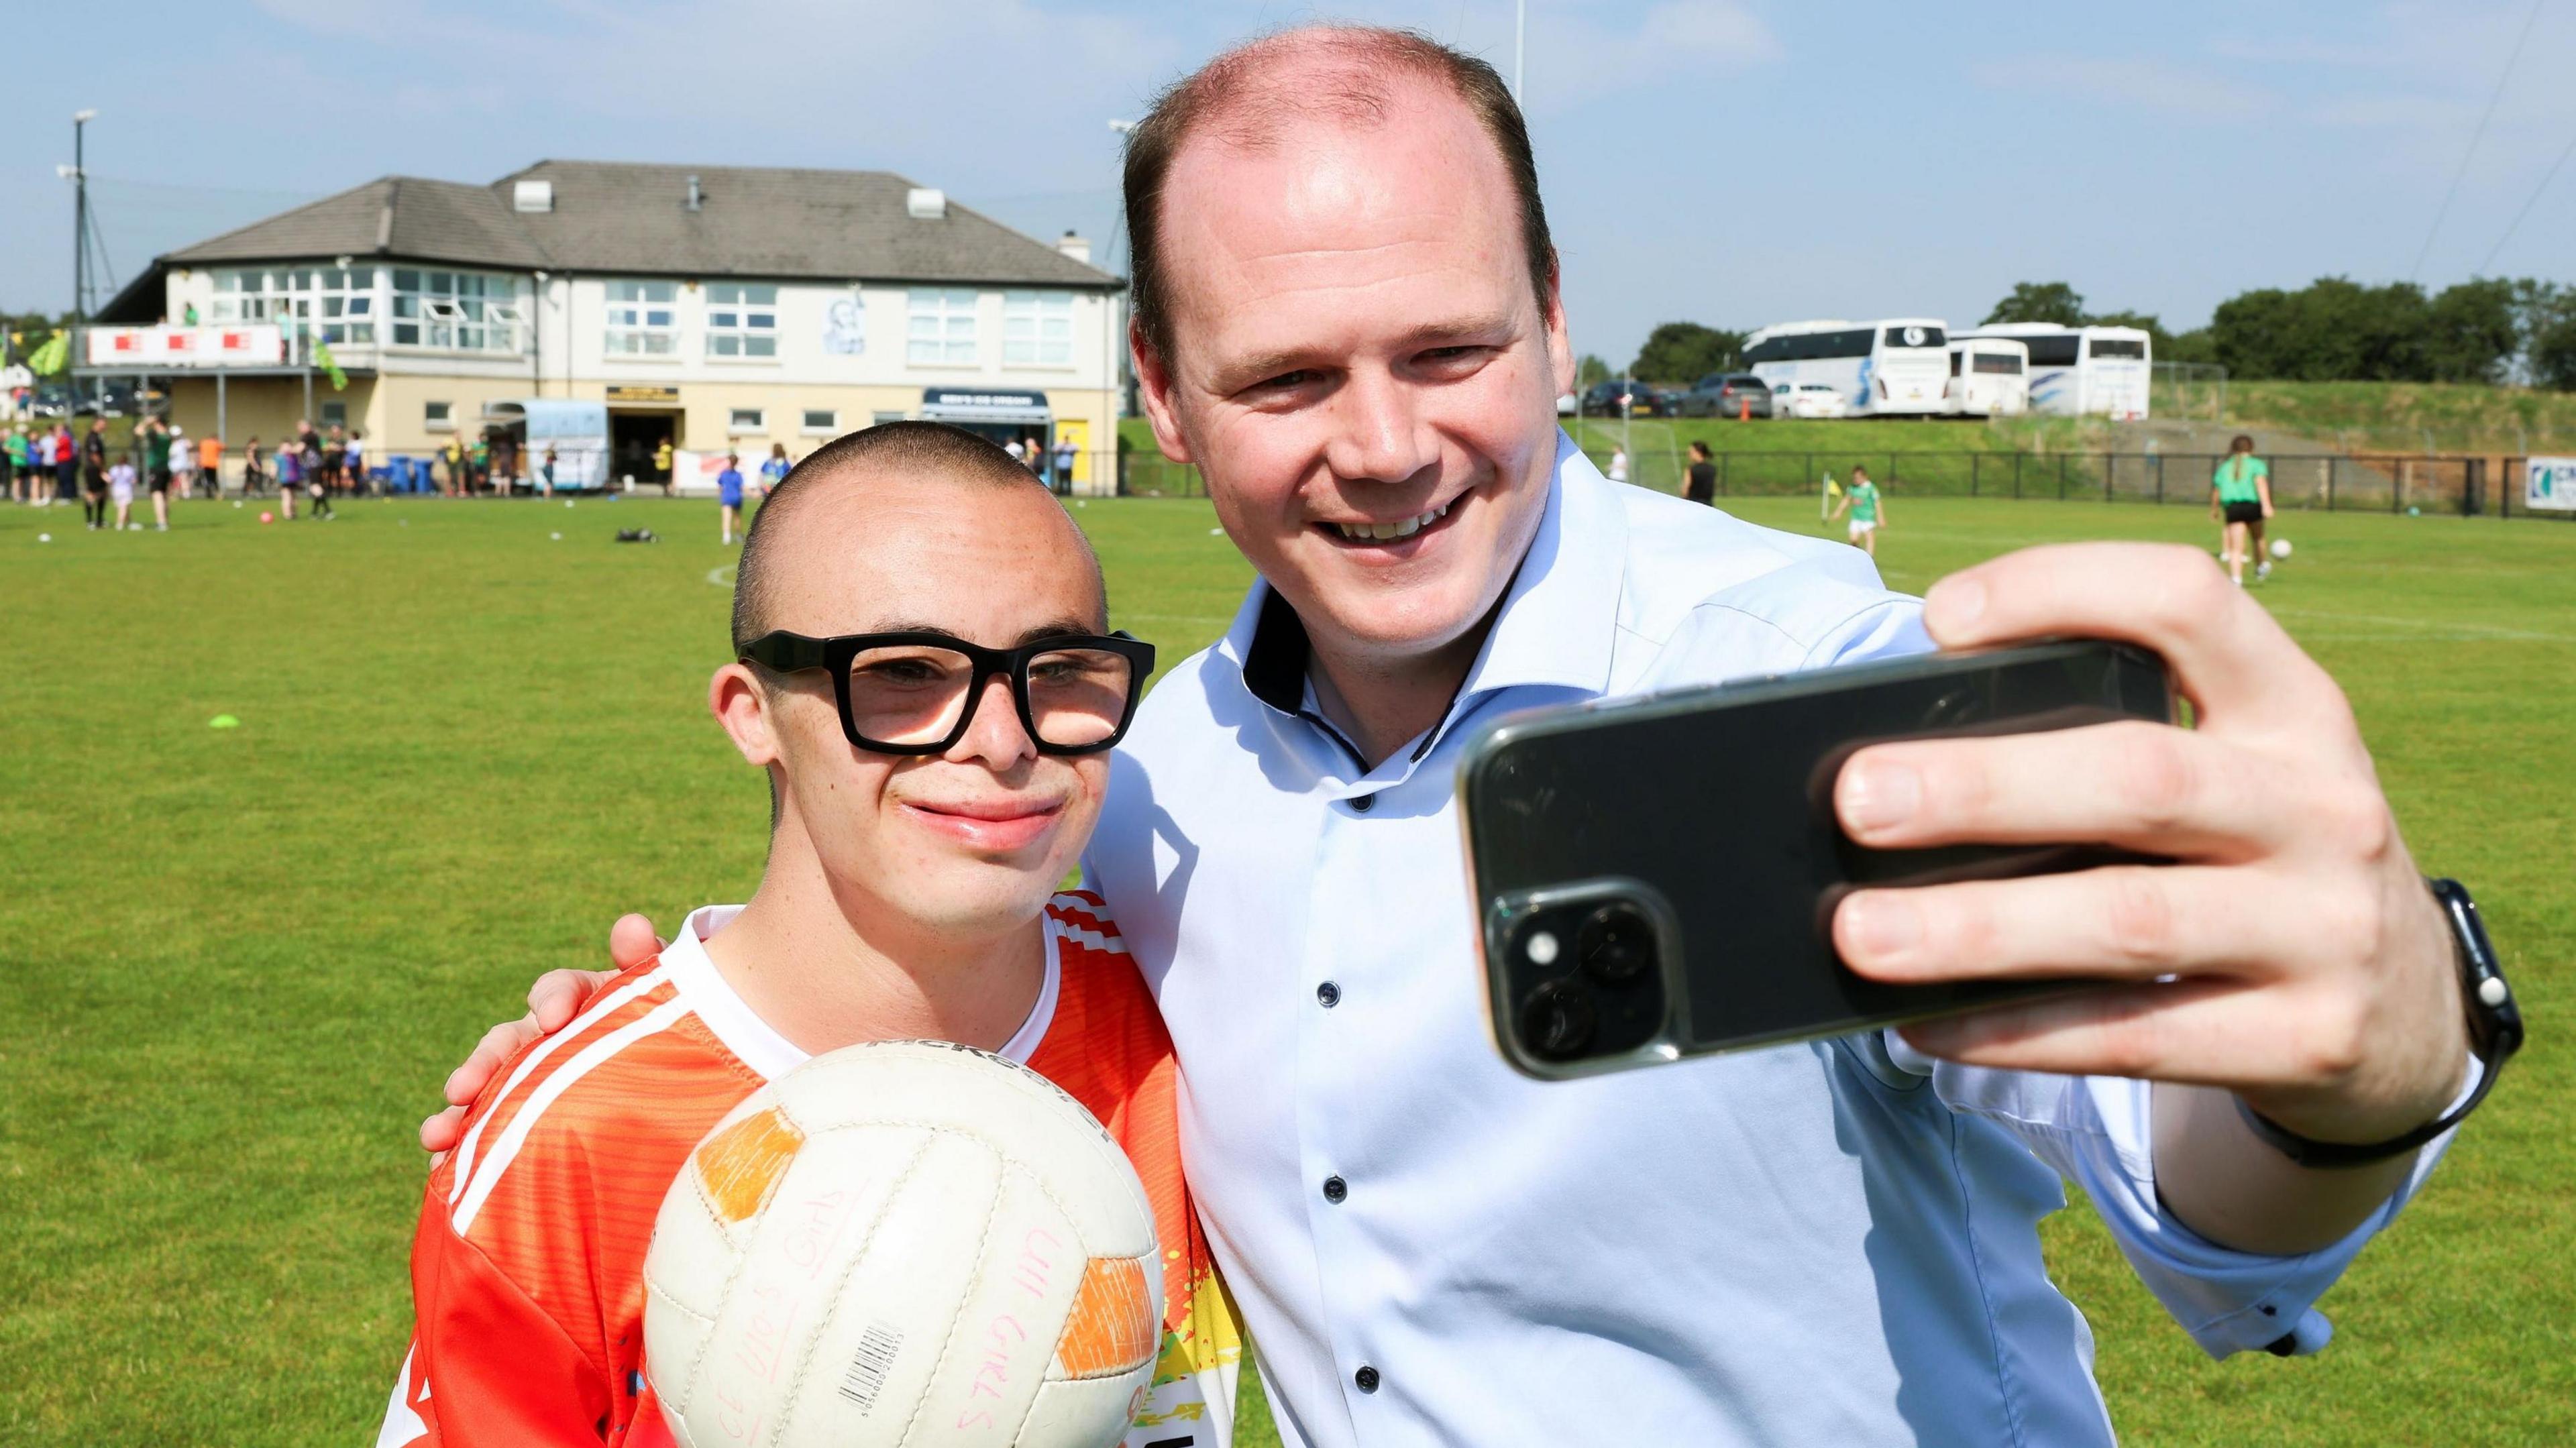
(2280, 547)
(904, 1243)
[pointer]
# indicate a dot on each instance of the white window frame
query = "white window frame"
(444, 309)
(736, 427)
(949, 339)
(631, 331)
(438, 417)
(1037, 329)
(335, 304)
(742, 321)
(830, 426)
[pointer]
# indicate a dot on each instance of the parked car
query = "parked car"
(1569, 405)
(1618, 395)
(49, 399)
(1726, 394)
(1808, 399)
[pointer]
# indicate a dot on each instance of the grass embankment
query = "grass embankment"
(2410, 417)
(240, 961)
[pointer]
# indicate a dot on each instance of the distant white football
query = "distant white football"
(904, 1243)
(2280, 547)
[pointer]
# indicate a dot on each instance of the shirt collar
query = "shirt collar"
(1558, 620)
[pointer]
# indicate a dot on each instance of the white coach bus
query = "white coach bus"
(1989, 377)
(1894, 366)
(2082, 371)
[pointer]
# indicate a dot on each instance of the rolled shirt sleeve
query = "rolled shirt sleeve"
(2098, 1131)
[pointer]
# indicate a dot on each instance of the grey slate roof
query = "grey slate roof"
(634, 219)
(402, 216)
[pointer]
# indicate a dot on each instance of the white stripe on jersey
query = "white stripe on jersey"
(536, 1058)
(1087, 938)
(403, 1426)
(488, 1174)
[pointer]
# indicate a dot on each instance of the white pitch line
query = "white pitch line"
(721, 576)
(2447, 628)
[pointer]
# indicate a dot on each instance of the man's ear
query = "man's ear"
(1154, 385)
(1560, 347)
(741, 705)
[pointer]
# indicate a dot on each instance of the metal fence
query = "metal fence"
(2387, 483)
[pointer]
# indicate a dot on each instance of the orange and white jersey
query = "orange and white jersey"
(528, 1264)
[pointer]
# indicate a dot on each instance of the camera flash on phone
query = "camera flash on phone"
(1542, 948)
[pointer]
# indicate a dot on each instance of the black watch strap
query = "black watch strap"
(2495, 1033)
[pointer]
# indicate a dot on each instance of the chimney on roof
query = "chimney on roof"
(925, 203)
(1074, 246)
(532, 196)
(696, 197)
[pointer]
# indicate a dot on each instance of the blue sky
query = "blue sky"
(1726, 161)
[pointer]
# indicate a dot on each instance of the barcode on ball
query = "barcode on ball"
(868, 1367)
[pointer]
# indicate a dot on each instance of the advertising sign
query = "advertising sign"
(2549, 483)
(244, 344)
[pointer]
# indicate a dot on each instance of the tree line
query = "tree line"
(2491, 330)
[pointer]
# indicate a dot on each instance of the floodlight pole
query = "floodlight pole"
(80, 217)
(1520, 44)
(1105, 456)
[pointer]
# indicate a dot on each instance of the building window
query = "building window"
(438, 416)
(335, 414)
(643, 319)
(941, 330)
(453, 311)
(747, 419)
(1037, 329)
(742, 320)
(821, 422)
(336, 304)
(880, 419)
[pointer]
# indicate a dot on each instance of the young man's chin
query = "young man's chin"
(961, 904)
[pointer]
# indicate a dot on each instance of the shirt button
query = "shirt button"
(1366, 1377)
(1329, 993)
(1363, 803)
(1335, 1189)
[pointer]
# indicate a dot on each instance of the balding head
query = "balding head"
(1342, 75)
(858, 492)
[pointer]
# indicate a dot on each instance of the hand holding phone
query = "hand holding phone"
(1657, 877)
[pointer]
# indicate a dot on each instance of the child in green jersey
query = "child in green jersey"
(2240, 495)
(1868, 510)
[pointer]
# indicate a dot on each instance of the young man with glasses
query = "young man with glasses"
(934, 706)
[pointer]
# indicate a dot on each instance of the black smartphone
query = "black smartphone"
(1655, 876)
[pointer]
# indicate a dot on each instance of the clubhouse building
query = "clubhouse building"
(713, 308)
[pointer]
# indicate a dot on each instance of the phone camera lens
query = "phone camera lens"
(1557, 1020)
(1616, 944)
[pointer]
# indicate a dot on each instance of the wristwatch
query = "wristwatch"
(2495, 1033)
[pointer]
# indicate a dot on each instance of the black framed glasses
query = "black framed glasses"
(915, 693)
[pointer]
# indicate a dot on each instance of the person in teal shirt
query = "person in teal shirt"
(1868, 510)
(2240, 496)
(22, 484)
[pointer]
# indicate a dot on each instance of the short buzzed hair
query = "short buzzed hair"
(911, 447)
(1242, 92)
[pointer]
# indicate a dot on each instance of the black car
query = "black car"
(1620, 396)
(1726, 394)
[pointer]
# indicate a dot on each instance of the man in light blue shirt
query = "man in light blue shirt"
(1347, 315)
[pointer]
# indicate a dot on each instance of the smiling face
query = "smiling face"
(1360, 366)
(969, 841)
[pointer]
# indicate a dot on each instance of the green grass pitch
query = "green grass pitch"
(237, 961)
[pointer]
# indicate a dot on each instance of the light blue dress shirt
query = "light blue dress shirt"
(1825, 1243)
